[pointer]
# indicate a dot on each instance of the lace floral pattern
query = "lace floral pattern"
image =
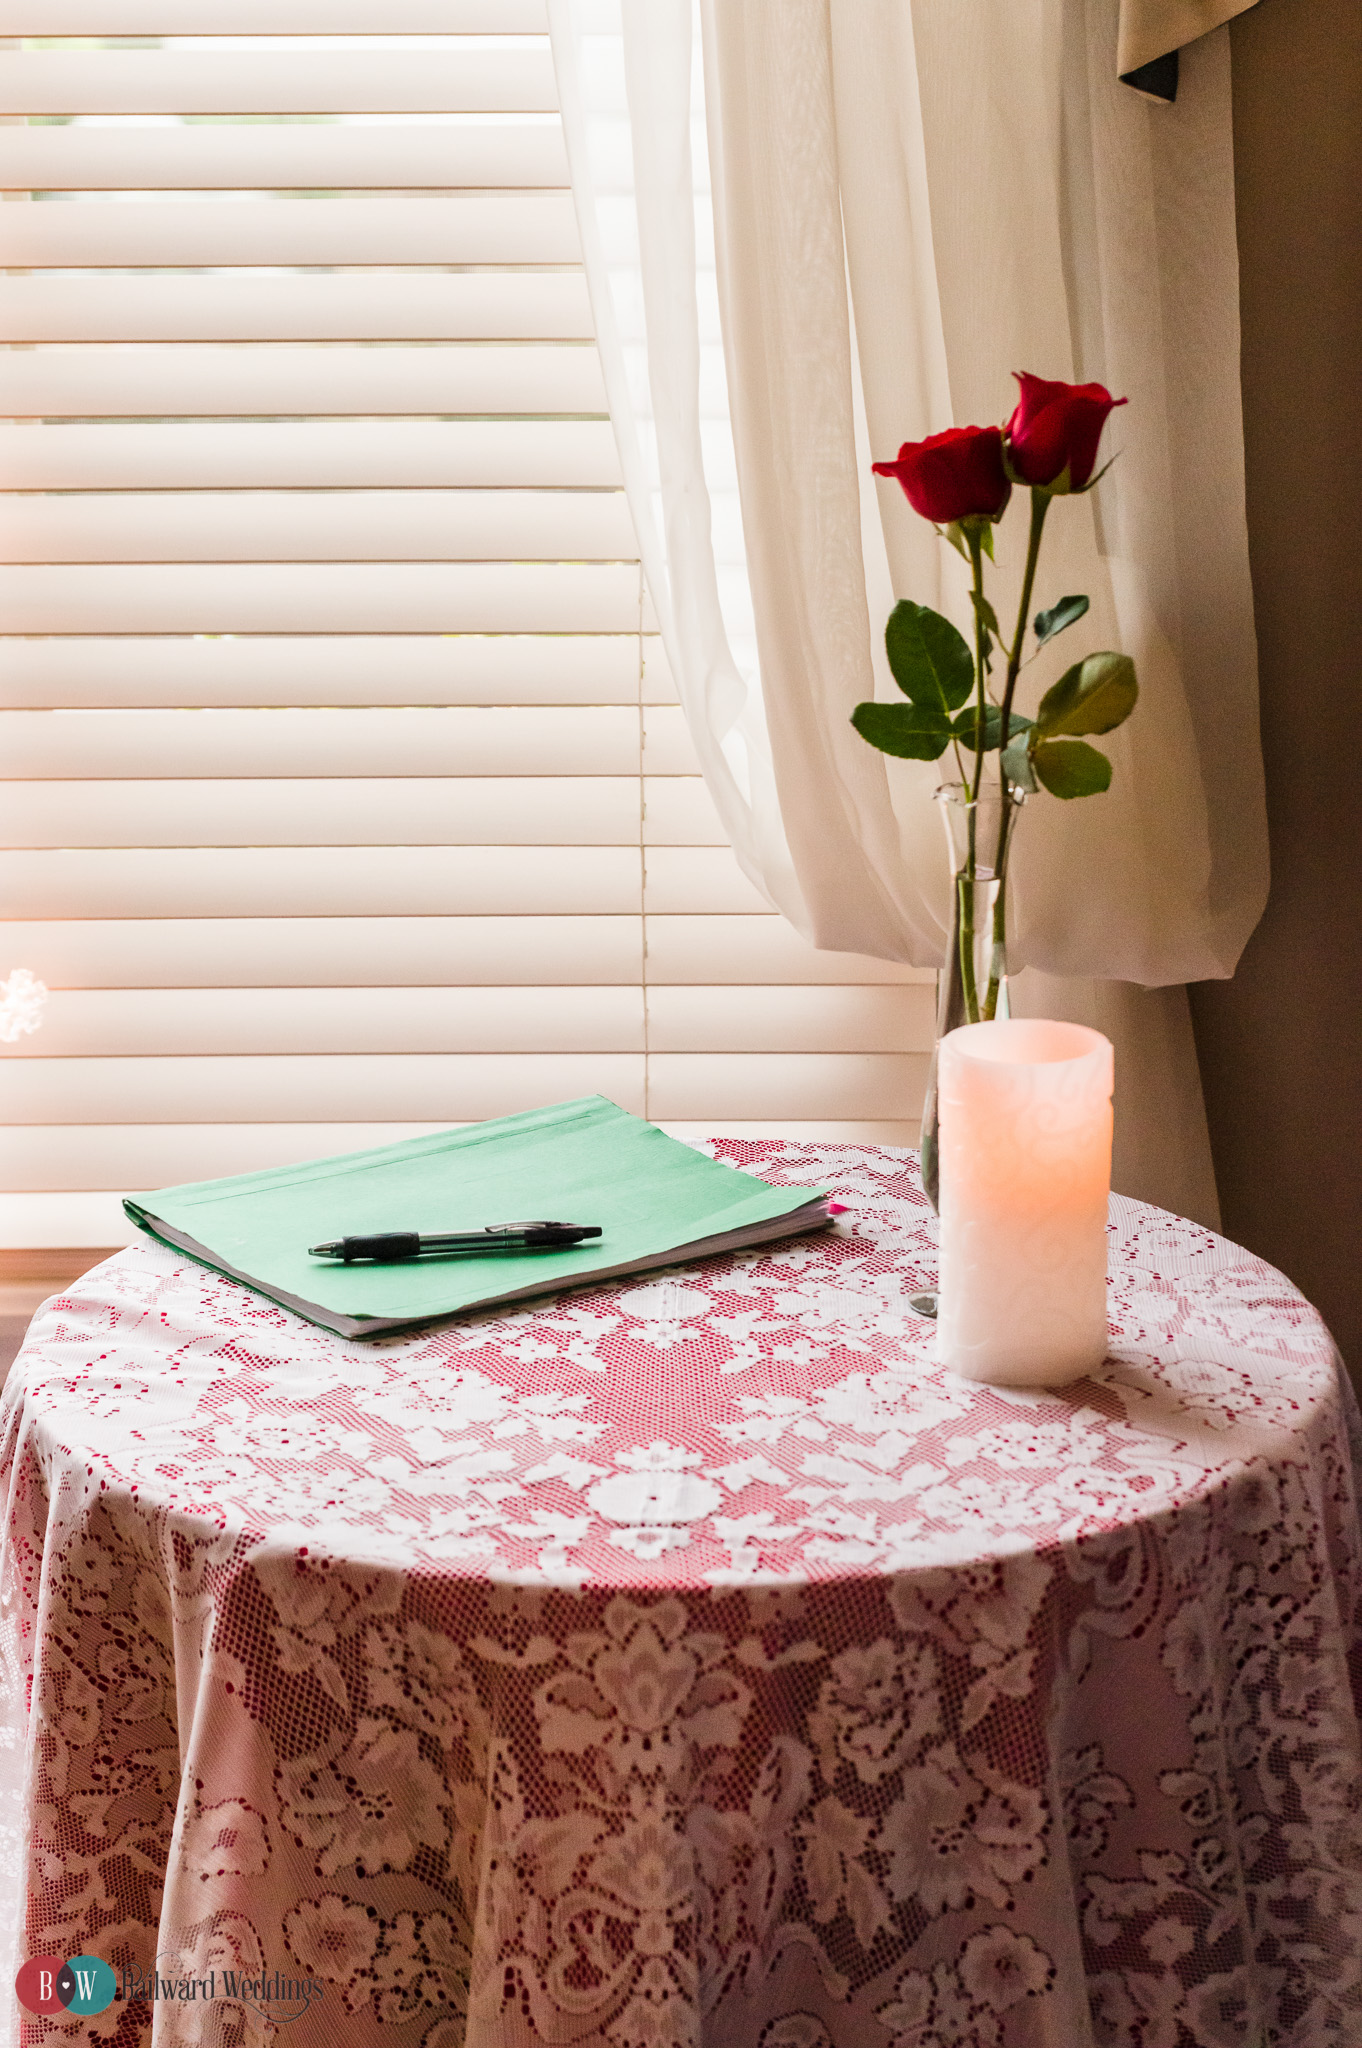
(692, 1661)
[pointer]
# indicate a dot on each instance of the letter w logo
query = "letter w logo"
(85, 1983)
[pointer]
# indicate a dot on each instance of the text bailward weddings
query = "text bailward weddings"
(284, 1998)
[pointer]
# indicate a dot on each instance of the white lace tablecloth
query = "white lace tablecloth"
(692, 1662)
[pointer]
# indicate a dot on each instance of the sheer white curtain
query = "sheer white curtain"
(996, 201)
(640, 172)
(632, 92)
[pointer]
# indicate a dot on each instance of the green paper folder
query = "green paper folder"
(657, 1201)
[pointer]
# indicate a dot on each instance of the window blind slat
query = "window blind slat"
(679, 811)
(708, 948)
(382, 880)
(107, 1023)
(696, 878)
(318, 597)
(271, 17)
(254, 526)
(132, 158)
(411, 305)
(331, 669)
(667, 744)
(437, 378)
(281, 81)
(313, 1087)
(321, 453)
(781, 1084)
(553, 810)
(459, 1087)
(323, 881)
(115, 234)
(141, 1156)
(327, 952)
(457, 740)
(53, 1162)
(716, 1017)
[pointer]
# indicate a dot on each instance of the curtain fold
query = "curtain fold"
(910, 201)
(1150, 29)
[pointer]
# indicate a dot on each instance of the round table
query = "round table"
(690, 1662)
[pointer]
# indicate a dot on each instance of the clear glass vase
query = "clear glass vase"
(972, 985)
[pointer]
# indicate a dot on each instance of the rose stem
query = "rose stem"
(965, 884)
(1040, 505)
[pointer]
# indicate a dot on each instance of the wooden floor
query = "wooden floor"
(27, 1278)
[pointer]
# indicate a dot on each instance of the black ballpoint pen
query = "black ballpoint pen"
(393, 1247)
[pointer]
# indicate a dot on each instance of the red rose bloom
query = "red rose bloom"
(1057, 426)
(955, 475)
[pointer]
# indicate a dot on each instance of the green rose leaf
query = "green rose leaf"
(1067, 612)
(988, 618)
(964, 724)
(931, 663)
(1017, 764)
(1093, 696)
(912, 731)
(1071, 768)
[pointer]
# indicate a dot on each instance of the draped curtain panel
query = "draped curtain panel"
(908, 203)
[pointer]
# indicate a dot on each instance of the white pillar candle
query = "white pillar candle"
(1025, 1149)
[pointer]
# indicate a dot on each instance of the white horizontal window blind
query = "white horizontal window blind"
(345, 794)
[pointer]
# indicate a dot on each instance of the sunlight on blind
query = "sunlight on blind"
(346, 792)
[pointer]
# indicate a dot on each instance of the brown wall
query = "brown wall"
(1279, 1045)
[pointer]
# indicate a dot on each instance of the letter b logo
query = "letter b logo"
(36, 1984)
(47, 1984)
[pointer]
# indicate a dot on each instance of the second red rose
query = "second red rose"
(1057, 427)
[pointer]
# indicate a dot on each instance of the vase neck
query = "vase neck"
(978, 829)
